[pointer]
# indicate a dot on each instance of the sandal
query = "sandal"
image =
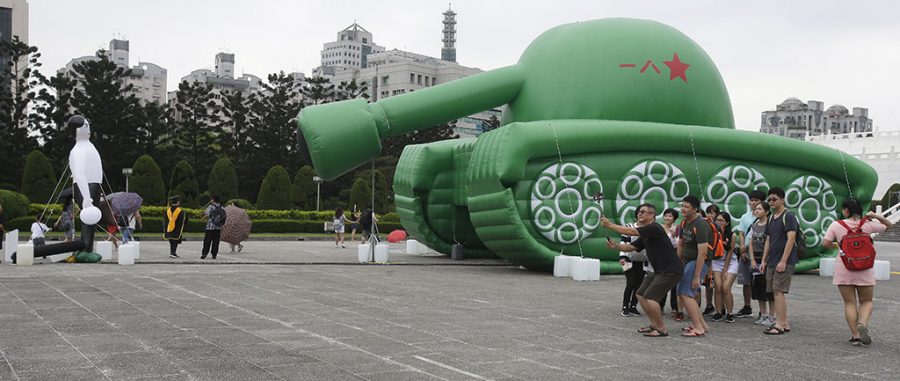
(646, 329)
(773, 330)
(854, 341)
(687, 329)
(656, 333)
(693, 333)
(679, 316)
(864, 336)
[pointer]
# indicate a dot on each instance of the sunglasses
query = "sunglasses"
(773, 199)
(644, 212)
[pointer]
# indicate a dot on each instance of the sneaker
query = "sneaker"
(343, 247)
(729, 318)
(709, 310)
(635, 312)
(202, 257)
(747, 311)
(626, 312)
(762, 319)
(854, 341)
(864, 336)
(679, 316)
(173, 255)
(717, 317)
(214, 257)
(770, 320)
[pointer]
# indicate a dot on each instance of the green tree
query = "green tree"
(275, 192)
(383, 193)
(491, 124)
(184, 184)
(223, 180)
(51, 112)
(318, 90)
(237, 120)
(303, 191)
(19, 81)
(146, 180)
(39, 178)
(197, 128)
(352, 90)
(361, 194)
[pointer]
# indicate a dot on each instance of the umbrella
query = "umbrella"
(237, 225)
(396, 236)
(66, 193)
(125, 203)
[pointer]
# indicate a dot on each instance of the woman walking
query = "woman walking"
(856, 287)
(338, 223)
(725, 271)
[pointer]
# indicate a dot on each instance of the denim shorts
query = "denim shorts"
(684, 287)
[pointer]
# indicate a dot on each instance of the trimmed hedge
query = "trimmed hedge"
(39, 178)
(147, 181)
(241, 203)
(263, 226)
(14, 205)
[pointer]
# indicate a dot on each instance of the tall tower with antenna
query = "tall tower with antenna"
(448, 52)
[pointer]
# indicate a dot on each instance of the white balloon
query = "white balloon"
(90, 216)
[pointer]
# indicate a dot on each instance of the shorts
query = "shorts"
(354, 226)
(745, 274)
(779, 282)
(339, 229)
(718, 265)
(657, 285)
(758, 290)
(684, 286)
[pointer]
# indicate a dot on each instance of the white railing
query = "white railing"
(853, 135)
(892, 213)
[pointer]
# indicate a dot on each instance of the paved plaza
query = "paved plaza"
(306, 311)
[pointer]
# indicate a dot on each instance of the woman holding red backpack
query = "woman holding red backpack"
(853, 271)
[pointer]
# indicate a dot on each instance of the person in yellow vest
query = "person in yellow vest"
(175, 220)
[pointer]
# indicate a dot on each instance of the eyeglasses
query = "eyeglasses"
(644, 212)
(773, 199)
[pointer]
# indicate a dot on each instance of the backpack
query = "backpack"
(716, 248)
(800, 240)
(218, 216)
(858, 248)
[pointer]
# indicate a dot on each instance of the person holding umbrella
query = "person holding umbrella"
(174, 225)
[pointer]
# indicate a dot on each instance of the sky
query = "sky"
(838, 52)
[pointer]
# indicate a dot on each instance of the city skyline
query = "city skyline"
(766, 51)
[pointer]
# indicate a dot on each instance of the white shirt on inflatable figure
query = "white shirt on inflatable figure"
(84, 161)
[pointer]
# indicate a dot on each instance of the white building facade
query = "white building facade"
(148, 80)
(881, 150)
(222, 77)
(797, 120)
(350, 51)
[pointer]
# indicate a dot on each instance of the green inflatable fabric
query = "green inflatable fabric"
(632, 109)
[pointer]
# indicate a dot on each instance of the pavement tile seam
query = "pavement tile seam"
(51, 327)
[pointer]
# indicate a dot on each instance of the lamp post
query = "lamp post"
(127, 172)
(318, 181)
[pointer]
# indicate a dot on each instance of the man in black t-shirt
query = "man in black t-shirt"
(667, 268)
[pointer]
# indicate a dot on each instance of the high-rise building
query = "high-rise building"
(222, 78)
(354, 43)
(148, 79)
(448, 52)
(13, 22)
(797, 120)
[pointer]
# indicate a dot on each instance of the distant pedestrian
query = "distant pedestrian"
(175, 220)
(354, 225)
(338, 223)
(215, 217)
(130, 224)
(66, 221)
(633, 264)
(856, 287)
(367, 222)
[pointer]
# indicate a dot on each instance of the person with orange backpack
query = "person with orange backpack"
(716, 251)
(854, 272)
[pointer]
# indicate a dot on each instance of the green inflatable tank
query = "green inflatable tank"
(632, 109)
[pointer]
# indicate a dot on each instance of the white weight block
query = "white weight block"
(127, 254)
(58, 257)
(826, 267)
(137, 244)
(362, 252)
(561, 266)
(586, 269)
(105, 249)
(412, 246)
(882, 270)
(10, 245)
(25, 255)
(381, 253)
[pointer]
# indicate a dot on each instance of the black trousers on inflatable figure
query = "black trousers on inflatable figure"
(87, 231)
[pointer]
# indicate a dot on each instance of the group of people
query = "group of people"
(760, 254)
(213, 215)
(362, 221)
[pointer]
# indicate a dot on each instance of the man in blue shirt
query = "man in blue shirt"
(745, 274)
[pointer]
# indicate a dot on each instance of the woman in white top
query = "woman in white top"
(38, 228)
(855, 285)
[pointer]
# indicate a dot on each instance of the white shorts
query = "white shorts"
(339, 229)
(719, 264)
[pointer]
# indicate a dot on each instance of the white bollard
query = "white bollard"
(381, 253)
(412, 246)
(25, 255)
(586, 269)
(561, 266)
(362, 252)
(105, 249)
(127, 254)
(882, 270)
(826, 266)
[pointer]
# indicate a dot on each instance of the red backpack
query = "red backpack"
(858, 248)
(716, 248)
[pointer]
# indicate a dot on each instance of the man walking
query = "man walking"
(745, 274)
(692, 249)
(779, 257)
(214, 215)
(652, 238)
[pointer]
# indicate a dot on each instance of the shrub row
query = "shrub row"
(299, 215)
